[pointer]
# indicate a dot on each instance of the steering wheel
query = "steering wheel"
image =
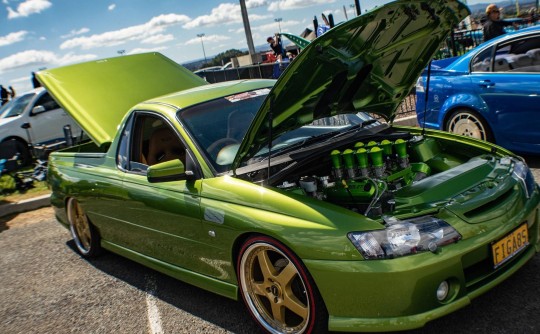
(216, 146)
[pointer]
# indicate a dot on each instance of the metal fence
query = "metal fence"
(258, 71)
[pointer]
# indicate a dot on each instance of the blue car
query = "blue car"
(491, 93)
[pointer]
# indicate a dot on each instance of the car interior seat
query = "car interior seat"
(534, 54)
(164, 145)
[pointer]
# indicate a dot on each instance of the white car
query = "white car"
(34, 118)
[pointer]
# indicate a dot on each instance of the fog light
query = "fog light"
(442, 290)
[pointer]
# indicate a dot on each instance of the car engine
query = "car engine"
(377, 178)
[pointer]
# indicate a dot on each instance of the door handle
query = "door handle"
(486, 83)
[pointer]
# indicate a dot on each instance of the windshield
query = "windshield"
(219, 126)
(16, 106)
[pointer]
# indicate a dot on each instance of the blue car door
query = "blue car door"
(511, 93)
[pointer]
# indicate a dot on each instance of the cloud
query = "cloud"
(111, 7)
(13, 37)
(225, 13)
(296, 4)
(28, 8)
(256, 3)
(207, 39)
(158, 39)
(144, 31)
(274, 26)
(145, 50)
(40, 58)
(73, 33)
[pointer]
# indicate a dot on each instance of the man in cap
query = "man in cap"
(275, 44)
(494, 26)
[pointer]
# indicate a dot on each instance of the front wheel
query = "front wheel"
(277, 289)
(469, 123)
(83, 232)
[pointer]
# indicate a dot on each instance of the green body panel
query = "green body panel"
(98, 94)
(302, 43)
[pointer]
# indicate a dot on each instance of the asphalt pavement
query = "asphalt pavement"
(46, 287)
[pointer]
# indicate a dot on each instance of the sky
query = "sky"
(38, 34)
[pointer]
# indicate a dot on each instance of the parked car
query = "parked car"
(285, 194)
(34, 118)
(491, 93)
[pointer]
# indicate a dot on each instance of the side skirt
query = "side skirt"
(204, 282)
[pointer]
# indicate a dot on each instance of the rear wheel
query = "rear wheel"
(277, 289)
(83, 232)
(469, 123)
(22, 150)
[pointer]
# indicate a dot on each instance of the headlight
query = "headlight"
(523, 174)
(404, 237)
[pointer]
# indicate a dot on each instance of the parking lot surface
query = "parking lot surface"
(46, 287)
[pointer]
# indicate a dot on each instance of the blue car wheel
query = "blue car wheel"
(469, 123)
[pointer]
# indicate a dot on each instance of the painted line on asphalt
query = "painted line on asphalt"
(154, 318)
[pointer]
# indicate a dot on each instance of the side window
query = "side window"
(47, 102)
(522, 55)
(148, 141)
(482, 61)
(122, 158)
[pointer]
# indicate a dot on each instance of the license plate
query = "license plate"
(504, 249)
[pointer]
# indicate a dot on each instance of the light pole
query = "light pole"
(202, 43)
(278, 20)
(357, 6)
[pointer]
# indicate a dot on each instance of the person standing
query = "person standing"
(11, 92)
(275, 44)
(494, 26)
(3, 94)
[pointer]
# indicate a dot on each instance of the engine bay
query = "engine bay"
(386, 177)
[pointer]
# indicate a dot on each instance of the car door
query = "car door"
(160, 220)
(47, 120)
(510, 88)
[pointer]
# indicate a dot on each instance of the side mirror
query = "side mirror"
(38, 110)
(172, 170)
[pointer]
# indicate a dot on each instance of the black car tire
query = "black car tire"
(84, 234)
(277, 289)
(25, 156)
(469, 123)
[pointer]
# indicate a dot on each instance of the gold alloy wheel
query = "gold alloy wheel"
(80, 227)
(466, 124)
(274, 289)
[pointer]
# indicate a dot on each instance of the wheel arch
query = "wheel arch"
(471, 102)
(480, 113)
(17, 138)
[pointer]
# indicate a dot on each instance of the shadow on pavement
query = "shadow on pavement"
(223, 312)
(511, 307)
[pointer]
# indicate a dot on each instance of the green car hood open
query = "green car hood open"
(369, 63)
(98, 94)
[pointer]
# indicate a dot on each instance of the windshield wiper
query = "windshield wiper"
(302, 143)
(356, 127)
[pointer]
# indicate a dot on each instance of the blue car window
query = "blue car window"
(521, 55)
(482, 61)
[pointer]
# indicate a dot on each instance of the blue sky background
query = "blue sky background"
(36, 34)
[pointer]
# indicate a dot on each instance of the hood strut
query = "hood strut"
(426, 96)
(270, 121)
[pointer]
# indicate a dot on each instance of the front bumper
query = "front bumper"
(400, 294)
